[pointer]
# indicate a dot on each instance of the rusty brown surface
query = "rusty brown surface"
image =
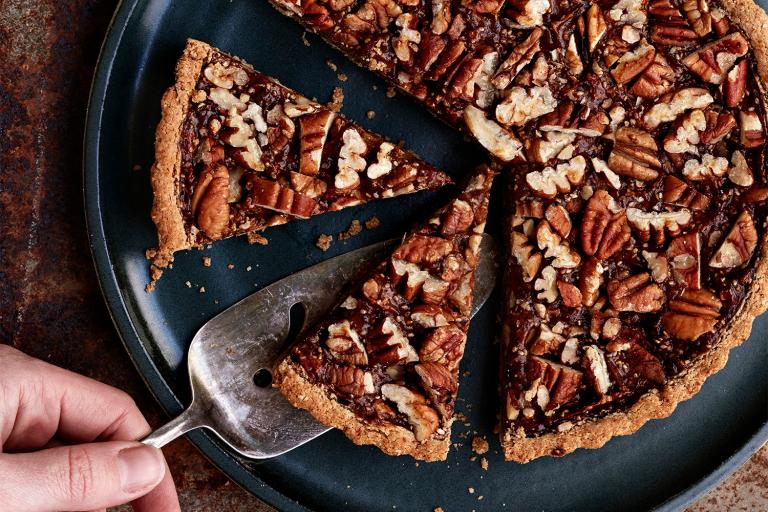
(50, 303)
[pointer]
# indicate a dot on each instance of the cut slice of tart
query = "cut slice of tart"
(383, 366)
(237, 152)
(635, 131)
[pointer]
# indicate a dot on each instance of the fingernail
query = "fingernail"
(140, 467)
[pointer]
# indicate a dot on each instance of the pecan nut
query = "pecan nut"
(213, 203)
(636, 293)
(684, 255)
(421, 416)
(350, 380)
(738, 246)
(604, 228)
(692, 315)
(635, 154)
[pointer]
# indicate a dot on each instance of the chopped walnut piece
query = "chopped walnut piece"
(683, 136)
(526, 256)
(658, 224)
(738, 246)
(555, 247)
(521, 105)
(675, 103)
(596, 369)
(709, 167)
(344, 344)
(658, 265)
(739, 171)
(636, 293)
(559, 180)
(751, 129)
(692, 315)
(351, 161)
(713, 61)
(590, 281)
(527, 13)
(684, 254)
(421, 416)
(324, 242)
(635, 155)
(492, 136)
(604, 228)
(547, 285)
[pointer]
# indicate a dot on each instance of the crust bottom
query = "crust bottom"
(166, 171)
(391, 439)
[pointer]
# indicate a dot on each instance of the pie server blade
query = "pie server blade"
(231, 357)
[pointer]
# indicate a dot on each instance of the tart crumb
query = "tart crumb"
(202, 289)
(372, 223)
(484, 464)
(305, 40)
(471, 490)
(438, 509)
(391, 91)
(337, 99)
(137, 168)
(479, 445)
(324, 242)
(342, 77)
(248, 268)
(370, 114)
(354, 229)
(189, 285)
(206, 261)
(255, 238)
(231, 266)
(331, 65)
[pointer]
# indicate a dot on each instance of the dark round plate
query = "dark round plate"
(666, 464)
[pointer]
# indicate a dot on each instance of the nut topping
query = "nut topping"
(555, 247)
(739, 172)
(590, 281)
(738, 246)
(709, 167)
(635, 155)
(673, 104)
(604, 228)
(697, 12)
(684, 254)
(657, 79)
(713, 61)
(692, 315)
(351, 161)
(679, 193)
(636, 293)
(314, 130)
(521, 105)
(596, 26)
(559, 180)
(350, 380)
(547, 285)
(658, 224)
(736, 84)
(421, 416)
(596, 370)
(751, 130)
(633, 62)
(683, 137)
(521, 56)
(658, 265)
(344, 343)
(492, 136)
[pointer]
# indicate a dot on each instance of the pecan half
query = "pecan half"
(344, 344)
(213, 205)
(719, 125)
(679, 193)
(633, 62)
(635, 155)
(272, 195)
(314, 130)
(440, 384)
(604, 228)
(561, 179)
(500, 142)
(697, 12)
(738, 246)
(596, 26)
(421, 416)
(526, 256)
(596, 370)
(590, 281)
(636, 293)
(570, 294)
(657, 79)
(675, 103)
(713, 61)
(559, 219)
(561, 382)
(692, 315)
(670, 27)
(444, 345)
(350, 380)
(736, 83)
(555, 247)
(739, 171)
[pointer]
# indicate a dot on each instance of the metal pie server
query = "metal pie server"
(232, 356)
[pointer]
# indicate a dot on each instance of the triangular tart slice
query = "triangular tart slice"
(236, 152)
(383, 365)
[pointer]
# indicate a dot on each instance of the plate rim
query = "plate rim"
(231, 465)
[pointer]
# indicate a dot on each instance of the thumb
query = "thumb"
(81, 477)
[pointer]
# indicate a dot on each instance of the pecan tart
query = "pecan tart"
(383, 366)
(237, 152)
(634, 132)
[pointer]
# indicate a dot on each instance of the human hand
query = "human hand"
(67, 443)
